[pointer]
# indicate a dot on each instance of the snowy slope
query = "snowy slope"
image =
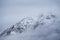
(24, 25)
(45, 28)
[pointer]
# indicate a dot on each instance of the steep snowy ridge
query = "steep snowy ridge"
(29, 24)
(19, 27)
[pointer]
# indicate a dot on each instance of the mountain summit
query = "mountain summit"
(28, 23)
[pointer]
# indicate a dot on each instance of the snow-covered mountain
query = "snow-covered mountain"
(24, 25)
(46, 19)
(29, 29)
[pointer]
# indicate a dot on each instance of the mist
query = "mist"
(12, 11)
